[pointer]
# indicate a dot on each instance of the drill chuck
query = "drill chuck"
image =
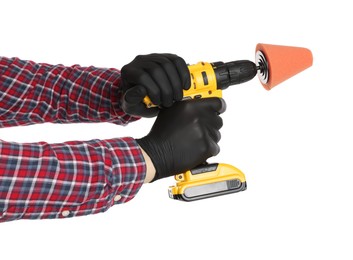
(234, 72)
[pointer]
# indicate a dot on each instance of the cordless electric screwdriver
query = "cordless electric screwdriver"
(274, 64)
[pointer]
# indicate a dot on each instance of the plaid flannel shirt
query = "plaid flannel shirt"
(41, 180)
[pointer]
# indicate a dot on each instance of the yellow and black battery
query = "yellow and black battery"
(206, 181)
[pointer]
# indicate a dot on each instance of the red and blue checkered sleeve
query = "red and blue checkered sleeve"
(41, 180)
(37, 92)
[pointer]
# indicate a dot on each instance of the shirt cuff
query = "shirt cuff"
(128, 166)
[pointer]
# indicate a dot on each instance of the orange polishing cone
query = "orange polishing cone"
(278, 63)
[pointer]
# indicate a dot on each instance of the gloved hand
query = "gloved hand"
(184, 136)
(160, 76)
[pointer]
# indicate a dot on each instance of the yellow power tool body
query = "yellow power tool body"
(210, 180)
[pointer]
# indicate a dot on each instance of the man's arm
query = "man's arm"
(36, 93)
(41, 180)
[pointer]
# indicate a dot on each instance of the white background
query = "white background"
(294, 143)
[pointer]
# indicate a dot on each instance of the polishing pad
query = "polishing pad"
(278, 63)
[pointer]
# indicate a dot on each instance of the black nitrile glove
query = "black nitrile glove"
(184, 136)
(162, 77)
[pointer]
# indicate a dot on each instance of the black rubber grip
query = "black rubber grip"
(234, 72)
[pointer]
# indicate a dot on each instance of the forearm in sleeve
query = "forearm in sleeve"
(37, 93)
(41, 180)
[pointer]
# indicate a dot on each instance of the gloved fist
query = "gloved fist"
(160, 76)
(184, 136)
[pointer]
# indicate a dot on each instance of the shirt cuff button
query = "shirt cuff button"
(117, 198)
(65, 213)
